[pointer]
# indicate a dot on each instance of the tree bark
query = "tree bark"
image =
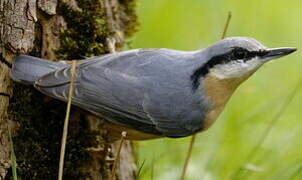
(58, 29)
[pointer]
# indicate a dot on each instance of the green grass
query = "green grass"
(224, 149)
(13, 156)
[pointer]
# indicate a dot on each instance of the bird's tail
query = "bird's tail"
(27, 69)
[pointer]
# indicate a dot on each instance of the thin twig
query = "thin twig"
(117, 156)
(185, 167)
(112, 49)
(65, 130)
(226, 25)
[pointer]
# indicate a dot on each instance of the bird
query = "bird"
(152, 93)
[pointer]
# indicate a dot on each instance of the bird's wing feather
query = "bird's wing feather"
(127, 96)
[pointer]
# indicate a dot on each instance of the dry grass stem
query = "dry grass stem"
(117, 156)
(193, 137)
(226, 25)
(65, 130)
(185, 167)
(12, 155)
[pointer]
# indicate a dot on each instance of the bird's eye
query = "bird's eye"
(240, 53)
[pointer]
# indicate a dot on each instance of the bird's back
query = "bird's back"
(149, 90)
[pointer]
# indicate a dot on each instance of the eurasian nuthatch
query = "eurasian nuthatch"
(157, 92)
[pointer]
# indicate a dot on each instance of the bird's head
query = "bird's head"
(239, 57)
(228, 63)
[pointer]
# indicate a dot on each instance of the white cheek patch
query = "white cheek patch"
(235, 69)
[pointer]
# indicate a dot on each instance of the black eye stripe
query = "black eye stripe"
(238, 53)
(222, 59)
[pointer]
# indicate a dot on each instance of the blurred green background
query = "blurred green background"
(224, 151)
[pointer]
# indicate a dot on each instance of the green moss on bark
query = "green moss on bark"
(130, 20)
(86, 30)
(38, 141)
(37, 144)
(87, 27)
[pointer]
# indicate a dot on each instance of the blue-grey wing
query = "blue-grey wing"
(133, 89)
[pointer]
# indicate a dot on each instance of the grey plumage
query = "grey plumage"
(28, 69)
(143, 89)
(149, 90)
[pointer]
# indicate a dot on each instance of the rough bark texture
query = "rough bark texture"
(58, 29)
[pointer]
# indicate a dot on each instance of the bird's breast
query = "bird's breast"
(217, 92)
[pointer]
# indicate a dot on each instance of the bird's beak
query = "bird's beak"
(277, 53)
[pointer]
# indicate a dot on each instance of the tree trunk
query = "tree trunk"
(58, 29)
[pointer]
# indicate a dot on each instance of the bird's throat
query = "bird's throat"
(218, 92)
